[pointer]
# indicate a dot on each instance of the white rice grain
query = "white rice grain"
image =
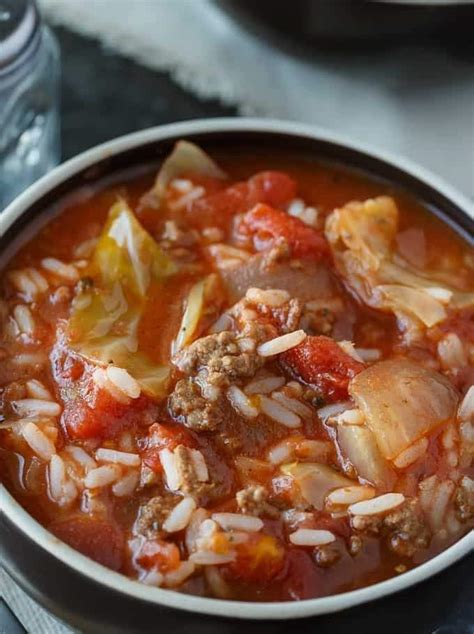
(451, 351)
(38, 280)
(281, 453)
(23, 283)
(126, 485)
(281, 344)
(278, 413)
(265, 385)
(199, 464)
(36, 407)
(188, 197)
(180, 516)
(238, 522)
(118, 457)
(349, 348)
(368, 354)
(86, 248)
(179, 575)
(168, 462)
(466, 409)
(380, 504)
(311, 537)
(62, 490)
(241, 403)
(123, 381)
(293, 405)
(24, 319)
(224, 322)
(152, 578)
(210, 558)
(182, 185)
(350, 495)
(100, 378)
(350, 417)
(65, 271)
(411, 454)
(273, 297)
(102, 476)
(36, 390)
(38, 441)
(328, 411)
(81, 456)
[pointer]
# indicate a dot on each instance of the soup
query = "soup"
(246, 379)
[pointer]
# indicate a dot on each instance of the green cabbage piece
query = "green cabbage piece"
(103, 325)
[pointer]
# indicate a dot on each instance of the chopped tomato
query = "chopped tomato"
(265, 225)
(259, 559)
(164, 436)
(159, 554)
(273, 188)
(302, 580)
(100, 540)
(323, 365)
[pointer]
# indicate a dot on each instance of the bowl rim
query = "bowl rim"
(219, 607)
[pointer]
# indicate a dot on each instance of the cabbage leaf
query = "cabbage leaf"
(103, 325)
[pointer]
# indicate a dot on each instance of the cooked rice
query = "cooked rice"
(36, 390)
(123, 381)
(213, 234)
(31, 359)
(126, 485)
(86, 248)
(273, 298)
(411, 454)
(179, 575)
(100, 378)
(36, 407)
(24, 319)
(23, 283)
(293, 405)
(278, 413)
(314, 450)
(368, 354)
(350, 495)
(65, 271)
(168, 462)
(311, 537)
(265, 385)
(350, 417)
(451, 351)
(62, 490)
(238, 522)
(224, 251)
(466, 409)
(217, 583)
(241, 403)
(199, 464)
(435, 496)
(328, 411)
(38, 280)
(281, 344)
(152, 578)
(182, 185)
(180, 516)
(378, 505)
(81, 456)
(449, 437)
(281, 453)
(118, 457)
(210, 558)
(38, 441)
(189, 197)
(349, 348)
(102, 476)
(224, 322)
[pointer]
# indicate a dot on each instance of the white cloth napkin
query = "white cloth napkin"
(415, 101)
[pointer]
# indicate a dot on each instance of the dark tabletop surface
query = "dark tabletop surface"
(104, 96)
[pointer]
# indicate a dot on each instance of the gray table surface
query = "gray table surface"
(93, 111)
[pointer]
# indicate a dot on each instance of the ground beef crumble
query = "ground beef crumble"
(186, 404)
(152, 514)
(253, 500)
(464, 499)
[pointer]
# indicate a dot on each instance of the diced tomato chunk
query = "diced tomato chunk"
(100, 540)
(259, 559)
(323, 365)
(265, 225)
(273, 188)
(164, 436)
(159, 554)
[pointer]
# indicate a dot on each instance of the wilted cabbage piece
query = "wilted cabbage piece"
(402, 402)
(362, 238)
(315, 480)
(357, 445)
(103, 325)
(186, 158)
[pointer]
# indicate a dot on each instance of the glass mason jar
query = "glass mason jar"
(29, 98)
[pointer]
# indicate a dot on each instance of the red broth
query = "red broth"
(328, 460)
